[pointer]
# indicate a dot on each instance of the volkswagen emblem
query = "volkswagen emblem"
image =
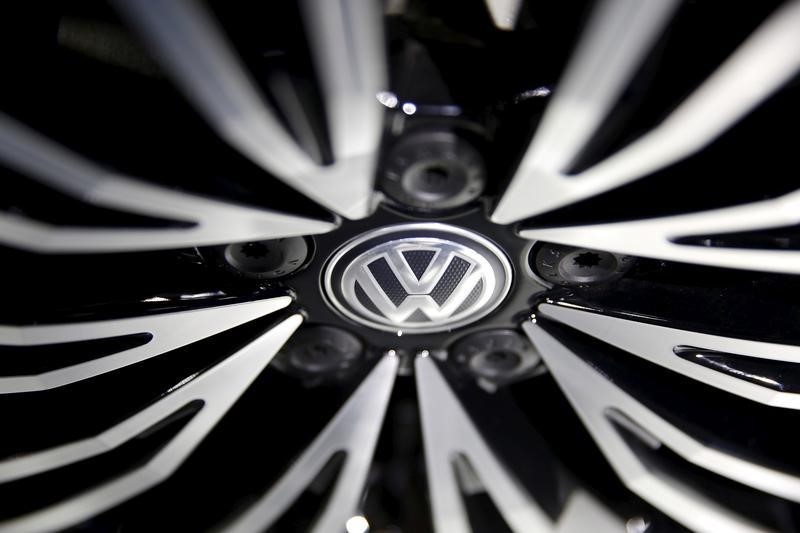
(417, 278)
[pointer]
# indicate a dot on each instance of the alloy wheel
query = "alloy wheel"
(399, 266)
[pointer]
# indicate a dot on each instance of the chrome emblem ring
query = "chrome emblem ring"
(417, 278)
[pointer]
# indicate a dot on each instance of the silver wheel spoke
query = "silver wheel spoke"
(598, 401)
(204, 65)
(582, 512)
(448, 432)
(504, 12)
(618, 37)
(168, 330)
(758, 68)
(354, 430)
(347, 43)
(657, 344)
(417, 282)
(215, 222)
(656, 237)
(218, 388)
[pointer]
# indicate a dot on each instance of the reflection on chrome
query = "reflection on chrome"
(387, 98)
(409, 108)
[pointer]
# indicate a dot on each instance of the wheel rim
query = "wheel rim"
(667, 327)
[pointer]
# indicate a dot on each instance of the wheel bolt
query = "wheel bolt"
(267, 259)
(432, 170)
(557, 264)
(499, 355)
(320, 351)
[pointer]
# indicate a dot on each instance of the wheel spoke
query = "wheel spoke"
(449, 432)
(619, 35)
(658, 344)
(218, 388)
(347, 42)
(600, 404)
(758, 68)
(214, 222)
(657, 237)
(205, 66)
(354, 430)
(169, 331)
(677, 453)
(504, 12)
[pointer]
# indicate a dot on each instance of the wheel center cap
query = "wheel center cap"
(417, 278)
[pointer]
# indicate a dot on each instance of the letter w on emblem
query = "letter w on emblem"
(437, 290)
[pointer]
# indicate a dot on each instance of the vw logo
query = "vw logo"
(417, 278)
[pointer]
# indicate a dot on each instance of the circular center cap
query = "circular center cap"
(417, 278)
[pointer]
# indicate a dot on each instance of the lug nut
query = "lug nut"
(320, 352)
(499, 356)
(432, 170)
(495, 363)
(556, 264)
(267, 259)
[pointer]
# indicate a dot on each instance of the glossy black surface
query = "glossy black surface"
(307, 283)
(783, 376)
(35, 359)
(463, 75)
(714, 417)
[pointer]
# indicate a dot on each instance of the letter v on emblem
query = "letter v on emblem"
(417, 278)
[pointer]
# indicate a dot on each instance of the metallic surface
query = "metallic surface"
(320, 351)
(267, 259)
(656, 237)
(556, 264)
(218, 388)
(595, 398)
(497, 355)
(657, 344)
(210, 221)
(348, 50)
(760, 66)
(169, 331)
(504, 12)
(433, 170)
(449, 432)
(598, 341)
(486, 272)
(616, 39)
(354, 430)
